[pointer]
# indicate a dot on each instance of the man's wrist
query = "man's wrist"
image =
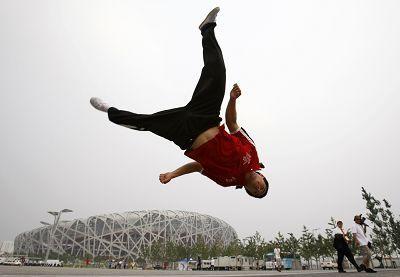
(174, 174)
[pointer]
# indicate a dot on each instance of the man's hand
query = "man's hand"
(184, 169)
(166, 177)
(235, 92)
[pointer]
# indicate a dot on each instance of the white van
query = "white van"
(244, 263)
(205, 264)
(54, 263)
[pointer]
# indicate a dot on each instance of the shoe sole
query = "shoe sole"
(208, 15)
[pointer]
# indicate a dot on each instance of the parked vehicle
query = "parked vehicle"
(224, 263)
(243, 263)
(205, 265)
(287, 263)
(328, 265)
(258, 264)
(233, 263)
(192, 265)
(54, 263)
(269, 261)
(12, 261)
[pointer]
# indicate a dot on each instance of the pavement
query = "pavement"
(64, 271)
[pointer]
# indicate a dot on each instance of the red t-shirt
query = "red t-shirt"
(227, 157)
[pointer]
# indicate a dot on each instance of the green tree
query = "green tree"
(233, 249)
(200, 248)
(281, 241)
(307, 242)
(217, 248)
(318, 249)
(253, 246)
(393, 227)
(157, 252)
(293, 245)
(378, 216)
(171, 254)
(328, 249)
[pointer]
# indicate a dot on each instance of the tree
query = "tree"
(318, 248)
(233, 249)
(171, 253)
(292, 245)
(217, 248)
(307, 241)
(157, 252)
(253, 246)
(380, 219)
(393, 227)
(281, 241)
(328, 249)
(200, 248)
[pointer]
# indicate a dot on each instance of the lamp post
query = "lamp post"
(57, 216)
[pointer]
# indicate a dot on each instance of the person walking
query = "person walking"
(340, 243)
(229, 159)
(363, 242)
(278, 260)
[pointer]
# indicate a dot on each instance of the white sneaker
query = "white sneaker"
(210, 18)
(99, 104)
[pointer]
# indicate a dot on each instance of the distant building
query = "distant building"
(6, 247)
(124, 235)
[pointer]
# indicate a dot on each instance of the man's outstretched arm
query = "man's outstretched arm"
(230, 113)
(185, 169)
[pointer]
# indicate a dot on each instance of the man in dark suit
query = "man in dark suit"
(340, 242)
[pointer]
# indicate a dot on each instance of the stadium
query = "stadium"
(123, 235)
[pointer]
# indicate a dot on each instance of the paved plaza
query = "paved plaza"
(48, 271)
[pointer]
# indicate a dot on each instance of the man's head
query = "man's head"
(339, 224)
(256, 184)
(358, 219)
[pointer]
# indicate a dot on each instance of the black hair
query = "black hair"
(265, 192)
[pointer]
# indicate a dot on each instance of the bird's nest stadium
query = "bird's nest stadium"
(126, 234)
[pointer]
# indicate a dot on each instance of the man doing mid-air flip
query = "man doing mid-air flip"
(228, 159)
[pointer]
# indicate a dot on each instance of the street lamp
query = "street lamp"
(57, 216)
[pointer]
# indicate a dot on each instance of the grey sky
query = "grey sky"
(321, 98)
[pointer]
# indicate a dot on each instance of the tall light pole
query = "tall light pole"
(57, 216)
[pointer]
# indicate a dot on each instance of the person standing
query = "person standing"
(340, 243)
(362, 241)
(278, 260)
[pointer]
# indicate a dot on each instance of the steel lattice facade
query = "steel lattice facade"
(126, 234)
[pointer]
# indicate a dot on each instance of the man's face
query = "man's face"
(358, 220)
(256, 184)
(340, 224)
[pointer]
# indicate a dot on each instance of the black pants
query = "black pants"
(345, 251)
(182, 125)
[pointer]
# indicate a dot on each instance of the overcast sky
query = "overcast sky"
(320, 97)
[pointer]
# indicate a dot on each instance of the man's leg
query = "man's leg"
(368, 260)
(210, 90)
(350, 257)
(183, 125)
(340, 255)
(167, 124)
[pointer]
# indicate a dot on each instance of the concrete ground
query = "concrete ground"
(49, 271)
